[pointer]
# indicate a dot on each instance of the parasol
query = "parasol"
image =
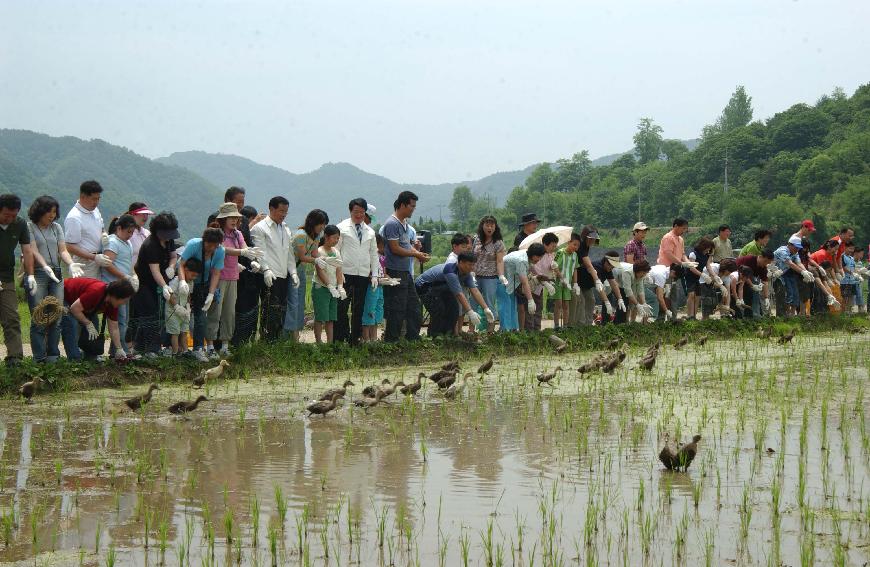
(562, 232)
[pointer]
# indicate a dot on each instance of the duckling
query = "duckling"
(654, 348)
(28, 389)
(366, 402)
(486, 366)
(786, 338)
(724, 310)
(414, 387)
(211, 373)
(137, 402)
(611, 365)
(181, 408)
(441, 374)
(458, 387)
(324, 407)
(647, 362)
(764, 333)
(327, 395)
(446, 382)
(703, 340)
(614, 344)
(389, 389)
(450, 366)
(681, 343)
(369, 391)
(545, 378)
(559, 344)
(588, 367)
(682, 458)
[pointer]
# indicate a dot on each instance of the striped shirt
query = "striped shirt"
(566, 263)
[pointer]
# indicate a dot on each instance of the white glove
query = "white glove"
(120, 354)
(833, 302)
(490, 318)
(472, 317)
(102, 260)
(599, 286)
(688, 265)
(374, 282)
(75, 270)
(183, 287)
(723, 289)
(104, 239)
(606, 287)
(255, 266)
(50, 273)
(208, 301)
(566, 283)
(644, 310)
(620, 304)
(92, 331)
(295, 279)
(609, 308)
(474, 278)
(577, 290)
(320, 263)
(767, 304)
(807, 276)
(252, 253)
(333, 291)
(740, 303)
(31, 284)
(668, 314)
(667, 289)
(268, 277)
(717, 280)
(757, 287)
(773, 272)
(503, 280)
(551, 289)
(342, 294)
(134, 281)
(167, 293)
(531, 307)
(170, 272)
(242, 268)
(1, 286)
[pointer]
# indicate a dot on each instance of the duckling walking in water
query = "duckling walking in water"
(414, 387)
(457, 387)
(367, 403)
(486, 366)
(681, 343)
(28, 389)
(647, 362)
(369, 391)
(682, 458)
(342, 391)
(182, 408)
(323, 407)
(137, 402)
(786, 338)
(545, 378)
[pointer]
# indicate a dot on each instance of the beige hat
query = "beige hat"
(228, 210)
(614, 260)
(640, 226)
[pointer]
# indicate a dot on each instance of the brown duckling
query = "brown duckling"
(786, 338)
(610, 365)
(613, 344)
(441, 374)
(366, 402)
(446, 382)
(703, 340)
(646, 363)
(181, 408)
(327, 395)
(681, 343)
(559, 344)
(450, 366)
(764, 333)
(28, 389)
(414, 387)
(486, 366)
(323, 407)
(545, 378)
(457, 388)
(390, 389)
(137, 402)
(654, 348)
(682, 458)
(369, 391)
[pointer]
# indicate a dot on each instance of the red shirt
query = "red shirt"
(820, 256)
(752, 261)
(91, 294)
(840, 249)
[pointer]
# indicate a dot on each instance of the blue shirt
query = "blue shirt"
(193, 249)
(395, 230)
(781, 256)
(123, 258)
(446, 273)
(849, 267)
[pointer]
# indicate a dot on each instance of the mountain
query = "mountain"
(33, 164)
(609, 159)
(340, 182)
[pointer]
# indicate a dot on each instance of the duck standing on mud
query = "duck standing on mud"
(682, 458)
(210, 374)
(544, 378)
(786, 338)
(486, 366)
(182, 408)
(28, 389)
(137, 402)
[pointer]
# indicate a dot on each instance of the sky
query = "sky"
(417, 91)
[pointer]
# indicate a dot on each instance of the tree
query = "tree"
(648, 141)
(673, 149)
(460, 204)
(737, 113)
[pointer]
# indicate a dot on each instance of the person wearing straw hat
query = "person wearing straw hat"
(221, 319)
(527, 225)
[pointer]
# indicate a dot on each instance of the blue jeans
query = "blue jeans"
(294, 317)
(507, 309)
(69, 331)
(652, 300)
(45, 341)
(789, 280)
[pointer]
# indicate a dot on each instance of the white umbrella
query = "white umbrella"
(563, 233)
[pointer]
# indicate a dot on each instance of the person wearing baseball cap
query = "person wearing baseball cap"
(789, 263)
(527, 225)
(635, 250)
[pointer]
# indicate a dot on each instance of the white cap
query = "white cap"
(796, 242)
(640, 226)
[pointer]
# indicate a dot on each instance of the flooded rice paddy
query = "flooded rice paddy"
(509, 473)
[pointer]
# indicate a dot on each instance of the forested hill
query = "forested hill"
(808, 161)
(34, 164)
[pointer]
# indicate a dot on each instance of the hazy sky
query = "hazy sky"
(418, 91)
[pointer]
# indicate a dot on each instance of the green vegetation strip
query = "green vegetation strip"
(295, 358)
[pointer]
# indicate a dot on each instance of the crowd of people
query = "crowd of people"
(245, 278)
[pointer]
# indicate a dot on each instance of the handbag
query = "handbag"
(92, 348)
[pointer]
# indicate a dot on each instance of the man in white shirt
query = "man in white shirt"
(84, 233)
(273, 237)
(658, 288)
(359, 254)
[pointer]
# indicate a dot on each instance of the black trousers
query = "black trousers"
(273, 305)
(356, 287)
(443, 309)
(401, 307)
(247, 303)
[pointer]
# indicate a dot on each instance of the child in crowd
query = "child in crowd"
(177, 317)
(373, 311)
(120, 252)
(328, 283)
(566, 262)
(850, 284)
